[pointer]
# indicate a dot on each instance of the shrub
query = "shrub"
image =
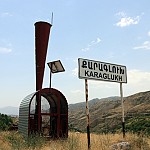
(139, 125)
(5, 122)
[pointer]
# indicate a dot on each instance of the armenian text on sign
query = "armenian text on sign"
(90, 69)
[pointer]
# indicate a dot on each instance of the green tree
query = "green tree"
(5, 121)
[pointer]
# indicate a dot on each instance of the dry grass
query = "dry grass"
(75, 141)
(4, 145)
(78, 141)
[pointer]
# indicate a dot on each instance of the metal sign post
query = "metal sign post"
(50, 79)
(122, 103)
(97, 70)
(87, 113)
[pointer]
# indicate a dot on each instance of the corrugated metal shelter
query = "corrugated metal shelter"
(53, 114)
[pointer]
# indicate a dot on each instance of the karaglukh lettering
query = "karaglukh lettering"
(104, 76)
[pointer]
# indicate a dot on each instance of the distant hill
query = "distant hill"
(106, 113)
(92, 102)
(9, 110)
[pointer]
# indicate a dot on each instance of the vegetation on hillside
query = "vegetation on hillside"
(106, 114)
(5, 122)
(139, 125)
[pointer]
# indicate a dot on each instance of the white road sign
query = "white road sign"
(96, 70)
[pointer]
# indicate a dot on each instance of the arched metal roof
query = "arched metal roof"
(24, 114)
(51, 95)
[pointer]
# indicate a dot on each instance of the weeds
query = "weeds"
(34, 142)
(18, 142)
(75, 141)
(140, 142)
(15, 140)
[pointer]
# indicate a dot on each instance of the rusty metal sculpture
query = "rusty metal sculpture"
(45, 111)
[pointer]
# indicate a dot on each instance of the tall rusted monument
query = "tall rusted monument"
(46, 110)
(42, 31)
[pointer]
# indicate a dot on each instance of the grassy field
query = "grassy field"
(75, 141)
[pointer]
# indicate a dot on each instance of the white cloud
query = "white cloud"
(138, 77)
(77, 92)
(85, 49)
(126, 21)
(5, 14)
(111, 55)
(92, 43)
(76, 95)
(138, 81)
(145, 45)
(5, 50)
(121, 13)
(75, 72)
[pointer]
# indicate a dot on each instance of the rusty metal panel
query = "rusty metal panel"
(58, 113)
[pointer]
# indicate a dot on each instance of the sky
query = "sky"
(116, 32)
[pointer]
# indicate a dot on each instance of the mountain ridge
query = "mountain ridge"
(106, 115)
(10, 110)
